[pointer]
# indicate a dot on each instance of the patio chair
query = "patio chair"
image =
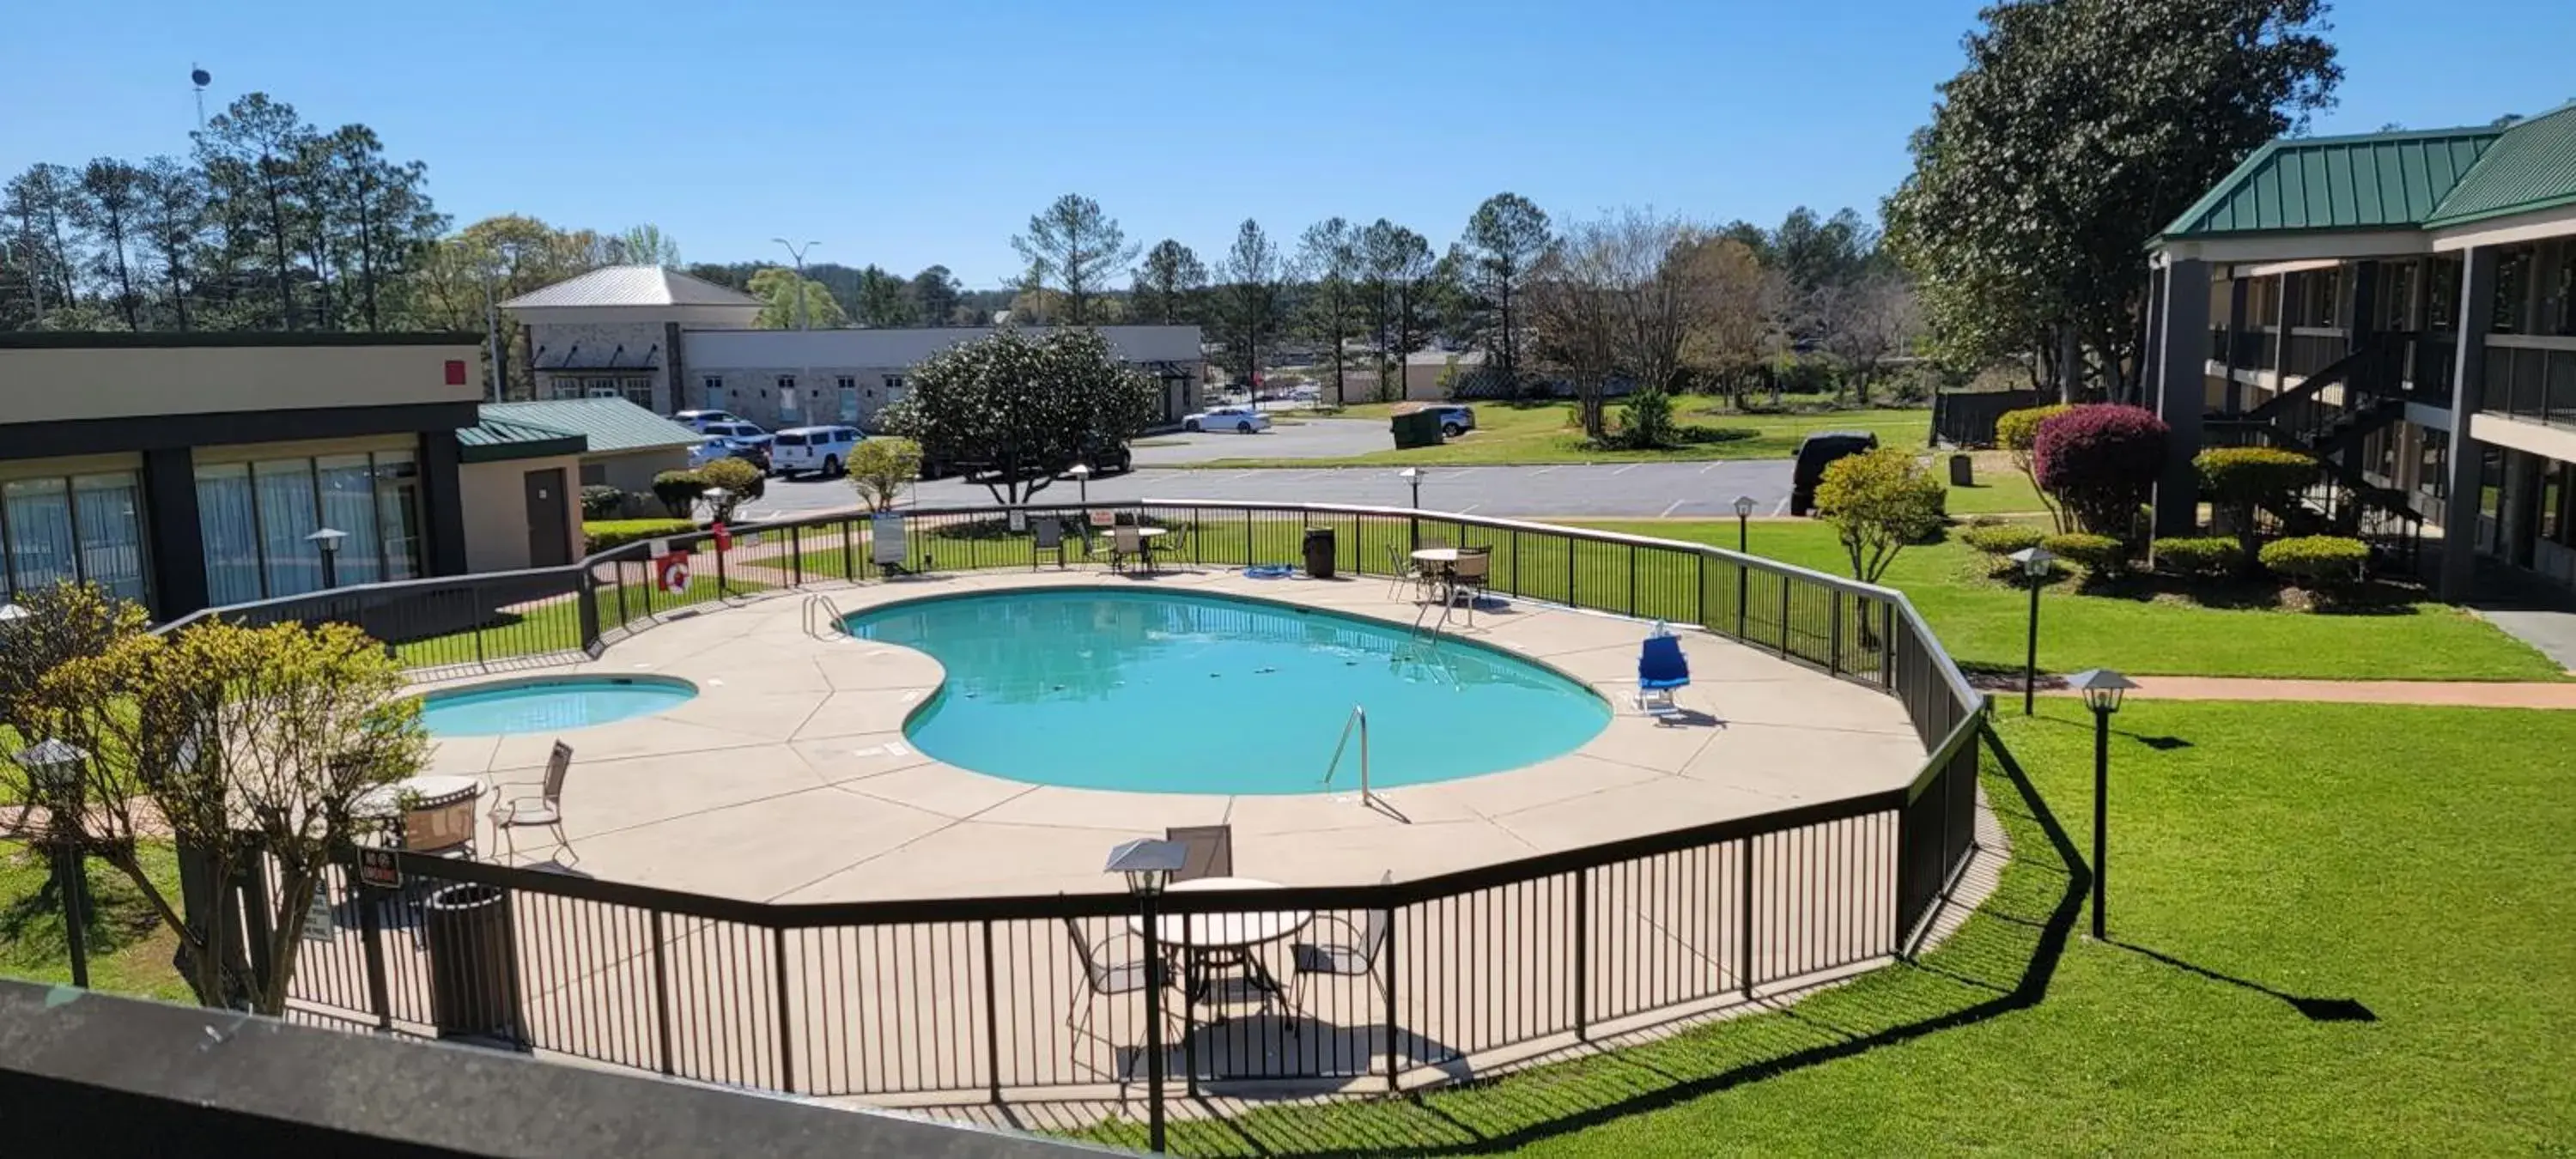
(1102, 978)
(543, 812)
(1661, 668)
(1402, 569)
(1211, 850)
(1354, 956)
(1127, 543)
(1468, 577)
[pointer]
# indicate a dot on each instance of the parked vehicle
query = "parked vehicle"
(751, 441)
(1455, 420)
(1239, 419)
(697, 420)
(1817, 452)
(1108, 456)
(821, 450)
(710, 449)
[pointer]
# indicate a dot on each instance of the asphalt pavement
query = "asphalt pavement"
(1666, 490)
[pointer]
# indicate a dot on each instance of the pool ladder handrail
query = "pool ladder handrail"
(1358, 720)
(832, 616)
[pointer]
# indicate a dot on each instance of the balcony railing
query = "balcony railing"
(2533, 379)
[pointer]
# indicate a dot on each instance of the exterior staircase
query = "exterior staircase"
(2371, 398)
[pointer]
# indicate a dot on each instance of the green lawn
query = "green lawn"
(2000, 488)
(555, 625)
(129, 950)
(2335, 930)
(1544, 433)
(1984, 622)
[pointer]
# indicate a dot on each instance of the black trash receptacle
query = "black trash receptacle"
(473, 964)
(1319, 552)
(1963, 471)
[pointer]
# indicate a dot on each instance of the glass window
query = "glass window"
(108, 512)
(284, 490)
(228, 522)
(39, 517)
(398, 513)
(637, 390)
(560, 388)
(349, 504)
(2563, 319)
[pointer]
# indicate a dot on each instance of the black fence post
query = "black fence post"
(622, 618)
(661, 993)
(723, 587)
(1582, 953)
(1744, 940)
(1743, 586)
(1834, 643)
(1631, 609)
(786, 1041)
(587, 593)
(795, 556)
(1887, 644)
(1393, 1081)
(993, 1016)
(849, 551)
(1699, 588)
(1154, 968)
(1785, 589)
(371, 928)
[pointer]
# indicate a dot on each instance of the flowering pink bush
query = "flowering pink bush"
(2101, 462)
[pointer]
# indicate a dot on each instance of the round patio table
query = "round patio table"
(441, 817)
(1224, 931)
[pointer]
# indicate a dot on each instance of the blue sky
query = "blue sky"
(906, 134)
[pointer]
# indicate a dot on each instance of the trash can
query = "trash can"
(1417, 428)
(1319, 553)
(1963, 471)
(473, 964)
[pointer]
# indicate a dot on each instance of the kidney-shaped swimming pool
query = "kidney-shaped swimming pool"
(1190, 693)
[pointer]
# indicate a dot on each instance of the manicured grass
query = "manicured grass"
(2000, 489)
(2335, 930)
(1544, 433)
(1984, 622)
(129, 949)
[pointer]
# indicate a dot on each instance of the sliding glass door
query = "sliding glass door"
(256, 519)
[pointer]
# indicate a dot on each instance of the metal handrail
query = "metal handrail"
(825, 601)
(1358, 720)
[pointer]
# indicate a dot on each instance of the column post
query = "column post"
(2181, 390)
(2469, 368)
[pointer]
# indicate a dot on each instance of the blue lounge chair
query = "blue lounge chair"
(1661, 668)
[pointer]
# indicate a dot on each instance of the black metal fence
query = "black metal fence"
(1405, 982)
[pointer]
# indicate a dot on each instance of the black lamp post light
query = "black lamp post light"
(12, 613)
(328, 540)
(1149, 864)
(54, 772)
(1081, 473)
(1744, 505)
(2035, 563)
(2102, 689)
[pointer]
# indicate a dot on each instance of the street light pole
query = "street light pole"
(2035, 563)
(2102, 689)
(798, 254)
(1744, 505)
(1413, 477)
(329, 541)
(53, 770)
(1149, 865)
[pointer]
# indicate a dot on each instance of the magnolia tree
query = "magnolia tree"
(235, 743)
(1015, 410)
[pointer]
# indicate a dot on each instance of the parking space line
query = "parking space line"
(1713, 465)
(1676, 505)
(1782, 509)
(1626, 469)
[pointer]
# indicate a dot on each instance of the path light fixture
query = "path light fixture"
(54, 772)
(1149, 864)
(12, 613)
(1081, 473)
(328, 540)
(715, 497)
(1413, 477)
(2035, 563)
(2102, 689)
(1744, 505)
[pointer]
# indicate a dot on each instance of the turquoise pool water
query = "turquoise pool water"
(551, 705)
(1178, 693)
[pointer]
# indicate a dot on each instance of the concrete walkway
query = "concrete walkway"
(2452, 693)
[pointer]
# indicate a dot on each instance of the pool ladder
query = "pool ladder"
(831, 618)
(1358, 722)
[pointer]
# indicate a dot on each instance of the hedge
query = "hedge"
(2317, 560)
(2018, 430)
(2214, 555)
(2097, 553)
(602, 534)
(599, 501)
(2003, 538)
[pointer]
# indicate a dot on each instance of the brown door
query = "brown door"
(549, 529)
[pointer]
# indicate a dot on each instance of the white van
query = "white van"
(820, 450)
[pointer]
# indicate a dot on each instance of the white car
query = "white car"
(697, 420)
(1239, 419)
(821, 450)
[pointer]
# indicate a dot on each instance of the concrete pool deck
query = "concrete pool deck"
(789, 778)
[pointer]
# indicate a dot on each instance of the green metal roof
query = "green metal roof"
(2374, 181)
(493, 440)
(612, 425)
(2532, 166)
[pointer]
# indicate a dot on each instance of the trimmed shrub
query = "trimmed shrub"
(602, 534)
(679, 491)
(2247, 477)
(600, 501)
(2018, 430)
(2099, 554)
(2214, 555)
(1877, 502)
(2003, 538)
(1647, 422)
(2101, 461)
(2317, 560)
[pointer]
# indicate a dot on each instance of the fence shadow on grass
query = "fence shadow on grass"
(2001, 960)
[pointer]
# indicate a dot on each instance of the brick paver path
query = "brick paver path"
(2457, 693)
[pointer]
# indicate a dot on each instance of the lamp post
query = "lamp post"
(1412, 477)
(715, 497)
(2102, 688)
(1081, 473)
(12, 613)
(798, 253)
(1744, 505)
(53, 771)
(1149, 864)
(2035, 563)
(329, 541)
